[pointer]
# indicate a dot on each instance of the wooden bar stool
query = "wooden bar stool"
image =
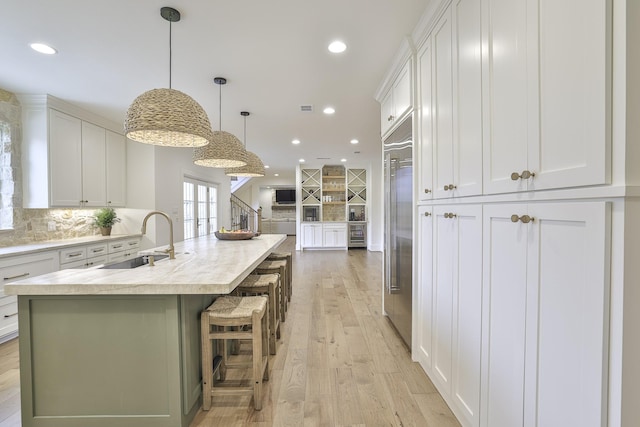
(269, 285)
(277, 267)
(286, 256)
(218, 322)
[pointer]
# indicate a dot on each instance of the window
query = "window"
(200, 208)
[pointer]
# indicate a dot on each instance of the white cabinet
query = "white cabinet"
(65, 159)
(456, 100)
(423, 307)
(425, 122)
(68, 161)
(16, 268)
(456, 308)
(83, 256)
(116, 162)
(311, 235)
(546, 94)
(122, 250)
(334, 235)
(545, 316)
(397, 102)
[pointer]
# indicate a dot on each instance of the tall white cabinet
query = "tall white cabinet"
(524, 225)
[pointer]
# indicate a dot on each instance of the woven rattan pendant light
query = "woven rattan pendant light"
(224, 150)
(167, 117)
(254, 166)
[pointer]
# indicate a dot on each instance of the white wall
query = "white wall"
(154, 182)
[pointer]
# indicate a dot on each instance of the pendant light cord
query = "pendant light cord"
(170, 55)
(220, 106)
(245, 132)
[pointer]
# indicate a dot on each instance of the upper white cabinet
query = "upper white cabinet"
(116, 155)
(397, 101)
(546, 94)
(545, 315)
(425, 122)
(68, 161)
(457, 101)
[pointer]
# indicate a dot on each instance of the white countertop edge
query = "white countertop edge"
(35, 247)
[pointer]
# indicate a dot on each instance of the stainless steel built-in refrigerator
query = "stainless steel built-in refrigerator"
(398, 228)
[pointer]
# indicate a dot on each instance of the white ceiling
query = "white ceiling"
(272, 52)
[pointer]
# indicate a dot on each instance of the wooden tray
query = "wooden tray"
(244, 235)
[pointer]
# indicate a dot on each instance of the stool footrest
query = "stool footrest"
(221, 390)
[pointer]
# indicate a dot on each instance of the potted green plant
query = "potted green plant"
(104, 219)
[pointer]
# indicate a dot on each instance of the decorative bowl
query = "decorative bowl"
(235, 235)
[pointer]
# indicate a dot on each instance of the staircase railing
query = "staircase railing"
(244, 217)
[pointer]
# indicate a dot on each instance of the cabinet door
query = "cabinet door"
(566, 378)
(505, 72)
(65, 139)
(116, 165)
(467, 313)
(93, 165)
(573, 94)
(425, 144)
(423, 327)
(504, 301)
(386, 112)
(442, 107)
(467, 97)
(443, 264)
(402, 93)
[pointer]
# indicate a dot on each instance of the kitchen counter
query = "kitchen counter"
(47, 245)
(204, 265)
(121, 348)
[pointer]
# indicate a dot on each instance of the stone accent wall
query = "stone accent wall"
(288, 212)
(32, 225)
(10, 171)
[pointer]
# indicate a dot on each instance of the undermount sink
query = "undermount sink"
(134, 262)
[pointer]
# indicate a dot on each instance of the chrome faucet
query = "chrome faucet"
(171, 251)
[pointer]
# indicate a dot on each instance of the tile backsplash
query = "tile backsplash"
(32, 225)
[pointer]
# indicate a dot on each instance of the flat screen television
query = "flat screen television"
(285, 196)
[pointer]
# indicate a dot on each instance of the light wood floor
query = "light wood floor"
(339, 362)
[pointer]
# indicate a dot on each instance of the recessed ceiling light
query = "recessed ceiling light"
(354, 141)
(276, 174)
(295, 142)
(43, 48)
(343, 160)
(329, 110)
(266, 166)
(301, 160)
(337, 46)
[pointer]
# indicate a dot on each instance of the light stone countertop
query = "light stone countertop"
(203, 265)
(49, 245)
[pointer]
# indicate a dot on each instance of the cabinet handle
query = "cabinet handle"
(524, 175)
(17, 276)
(74, 255)
(524, 218)
(390, 118)
(427, 191)
(95, 251)
(116, 246)
(133, 243)
(450, 215)
(109, 202)
(427, 214)
(449, 187)
(6, 316)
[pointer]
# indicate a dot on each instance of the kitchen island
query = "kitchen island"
(121, 347)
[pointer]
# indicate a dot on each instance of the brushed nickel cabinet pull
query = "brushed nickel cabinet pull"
(17, 276)
(524, 175)
(74, 255)
(427, 214)
(449, 187)
(526, 219)
(450, 215)
(427, 191)
(6, 316)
